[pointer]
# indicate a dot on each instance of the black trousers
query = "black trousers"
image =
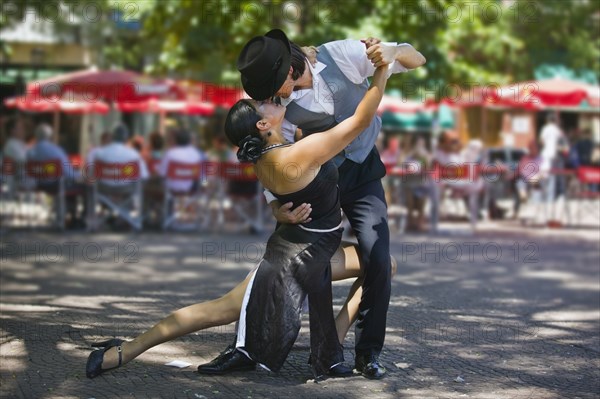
(363, 202)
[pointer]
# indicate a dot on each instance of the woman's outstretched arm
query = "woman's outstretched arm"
(321, 147)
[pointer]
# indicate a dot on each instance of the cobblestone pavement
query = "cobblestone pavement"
(507, 313)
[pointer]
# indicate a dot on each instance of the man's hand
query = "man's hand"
(311, 54)
(283, 214)
(370, 41)
(383, 54)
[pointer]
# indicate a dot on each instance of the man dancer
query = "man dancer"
(317, 98)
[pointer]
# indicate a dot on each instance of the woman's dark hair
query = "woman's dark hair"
(241, 130)
(298, 63)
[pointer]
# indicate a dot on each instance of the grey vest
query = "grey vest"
(346, 96)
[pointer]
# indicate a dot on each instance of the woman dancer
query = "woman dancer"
(296, 261)
(345, 264)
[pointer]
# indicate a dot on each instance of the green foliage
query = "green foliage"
(465, 42)
(561, 32)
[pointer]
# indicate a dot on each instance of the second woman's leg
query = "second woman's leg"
(345, 263)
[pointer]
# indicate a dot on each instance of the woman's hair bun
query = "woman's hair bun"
(250, 149)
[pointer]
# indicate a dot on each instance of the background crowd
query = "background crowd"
(417, 190)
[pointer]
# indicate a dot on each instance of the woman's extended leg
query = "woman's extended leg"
(221, 311)
(226, 309)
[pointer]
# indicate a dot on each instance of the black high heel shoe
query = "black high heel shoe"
(93, 368)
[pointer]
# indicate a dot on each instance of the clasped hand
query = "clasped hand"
(378, 53)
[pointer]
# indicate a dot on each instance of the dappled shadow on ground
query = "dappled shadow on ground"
(513, 316)
(516, 312)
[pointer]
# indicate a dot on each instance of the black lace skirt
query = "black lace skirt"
(296, 264)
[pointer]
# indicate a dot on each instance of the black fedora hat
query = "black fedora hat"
(264, 64)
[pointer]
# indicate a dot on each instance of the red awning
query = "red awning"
(220, 96)
(158, 106)
(534, 94)
(55, 104)
(109, 85)
(546, 93)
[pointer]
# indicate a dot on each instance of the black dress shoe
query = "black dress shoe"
(340, 370)
(228, 361)
(370, 366)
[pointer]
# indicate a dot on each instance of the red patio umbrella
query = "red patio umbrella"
(532, 94)
(163, 106)
(109, 85)
(55, 104)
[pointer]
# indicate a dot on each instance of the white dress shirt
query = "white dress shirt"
(351, 57)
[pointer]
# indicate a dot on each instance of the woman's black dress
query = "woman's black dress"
(296, 264)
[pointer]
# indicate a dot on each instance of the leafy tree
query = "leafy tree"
(559, 32)
(207, 36)
(466, 42)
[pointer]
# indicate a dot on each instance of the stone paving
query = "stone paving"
(506, 313)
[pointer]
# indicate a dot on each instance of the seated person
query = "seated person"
(448, 151)
(449, 154)
(118, 152)
(15, 151)
(46, 150)
(15, 147)
(417, 188)
(183, 152)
